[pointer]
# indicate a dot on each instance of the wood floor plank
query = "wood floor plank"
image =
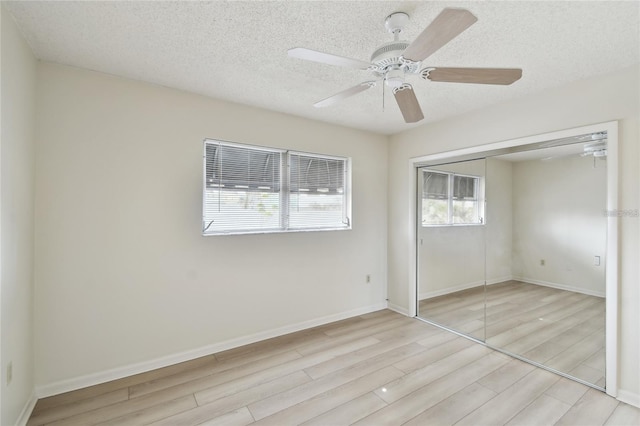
(426, 397)
(349, 412)
(430, 377)
(436, 339)
(325, 401)
(415, 330)
(153, 413)
(545, 410)
(594, 408)
(374, 329)
(71, 409)
(507, 375)
(431, 372)
(624, 415)
(549, 330)
(127, 407)
(563, 342)
(264, 351)
(287, 341)
(512, 400)
(264, 375)
(233, 402)
(596, 360)
(219, 370)
(582, 350)
(269, 406)
(586, 373)
(365, 326)
(567, 390)
(239, 417)
(157, 397)
(455, 407)
(92, 391)
(356, 356)
(434, 354)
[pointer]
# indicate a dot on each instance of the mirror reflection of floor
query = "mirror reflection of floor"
(557, 328)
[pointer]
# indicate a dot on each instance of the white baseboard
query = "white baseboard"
(442, 292)
(560, 286)
(23, 418)
(499, 280)
(399, 309)
(629, 398)
(141, 367)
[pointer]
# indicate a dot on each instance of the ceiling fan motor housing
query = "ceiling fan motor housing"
(387, 60)
(388, 57)
(389, 53)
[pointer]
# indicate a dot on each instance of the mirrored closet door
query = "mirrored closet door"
(511, 251)
(451, 252)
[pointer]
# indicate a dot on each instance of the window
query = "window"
(250, 189)
(451, 199)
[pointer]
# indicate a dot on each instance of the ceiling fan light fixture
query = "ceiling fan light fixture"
(394, 78)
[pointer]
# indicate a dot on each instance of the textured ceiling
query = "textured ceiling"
(237, 51)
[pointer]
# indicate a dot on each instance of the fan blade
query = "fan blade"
(345, 94)
(449, 24)
(327, 58)
(408, 103)
(473, 75)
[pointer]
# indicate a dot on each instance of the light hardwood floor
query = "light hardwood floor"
(557, 328)
(376, 369)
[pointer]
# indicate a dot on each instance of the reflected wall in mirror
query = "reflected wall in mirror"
(529, 277)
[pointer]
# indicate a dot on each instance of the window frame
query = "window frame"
(284, 192)
(479, 193)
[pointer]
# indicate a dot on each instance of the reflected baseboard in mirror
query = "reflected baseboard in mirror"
(560, 329)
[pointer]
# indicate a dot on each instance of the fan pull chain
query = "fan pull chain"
(382, 97)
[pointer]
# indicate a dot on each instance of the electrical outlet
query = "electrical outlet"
(368, 279)
(9, 372)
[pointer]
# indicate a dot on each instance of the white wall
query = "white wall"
(16, 225)
(499, 227)
(558, 217)
(596, 100)
(123, 274)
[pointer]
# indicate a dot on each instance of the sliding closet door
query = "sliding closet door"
(546, 242)
(451, 246)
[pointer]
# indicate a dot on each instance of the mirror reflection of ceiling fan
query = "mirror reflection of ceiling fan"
(393, 62)
(593, 145)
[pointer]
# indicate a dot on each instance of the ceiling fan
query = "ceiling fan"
(393, 62)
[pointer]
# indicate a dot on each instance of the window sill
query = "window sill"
(453, 225)
(274, 231)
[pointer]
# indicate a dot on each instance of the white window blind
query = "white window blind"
(242, 190)
(317, 197)
(249, 189)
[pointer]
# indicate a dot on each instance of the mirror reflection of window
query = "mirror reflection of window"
(450, 199)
